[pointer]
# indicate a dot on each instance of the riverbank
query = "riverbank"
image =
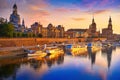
(18, 42)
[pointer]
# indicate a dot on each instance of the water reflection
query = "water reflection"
(9, 71)
(9, 67)
(107, 51)
(92, 55)
(35, 64)
(64, 66)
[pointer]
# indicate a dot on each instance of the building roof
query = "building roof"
(83, 30)
(14, 6)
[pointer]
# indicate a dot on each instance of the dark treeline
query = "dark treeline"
(7, 31)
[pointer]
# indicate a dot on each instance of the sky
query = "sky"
(69, 13)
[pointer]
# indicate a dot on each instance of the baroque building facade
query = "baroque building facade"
(108, 32)
(48, 32)
(90, 32)
(15, 20)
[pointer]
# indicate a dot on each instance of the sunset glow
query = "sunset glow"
(69, 13)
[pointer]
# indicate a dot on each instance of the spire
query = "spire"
(110, 23)
(110, 20)
(93, 20)
(23, 23)
(15, 6)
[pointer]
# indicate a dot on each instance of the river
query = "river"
(101, 65)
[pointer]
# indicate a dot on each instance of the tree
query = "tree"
(24, 35)
(14, 34)
(40, 35)
(6, 30)
(34, 35)
(19, 34)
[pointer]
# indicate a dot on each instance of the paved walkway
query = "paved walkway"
(14, 48)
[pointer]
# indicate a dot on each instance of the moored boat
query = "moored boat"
(32, 53)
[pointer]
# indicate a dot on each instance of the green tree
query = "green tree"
(40, 35)
(24, 35)
(34, 35)
(14, 34)
(19, 34)
(6, 30)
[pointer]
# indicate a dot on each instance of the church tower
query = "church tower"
(110, 24)
(23, 23)
(15, 17)
(14, 9)
(93, 26)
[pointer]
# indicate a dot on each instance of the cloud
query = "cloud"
(62, 10)
(3, 4)
(39, 3)
(91, 4)
(33, 7)
(66, 10)
(101, 11)
(103, 2)
(78, 19)
(44, 12)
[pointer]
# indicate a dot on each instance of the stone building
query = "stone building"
(48, 32)
(69, 34)
(36, 28)
(76, 32)
(55, 32)
(44, 32)
(15, 20)
(15, 17)
(92, 31)
(62, 31)
(108, 32)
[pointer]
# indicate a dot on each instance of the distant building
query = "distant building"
(48, 32)
(76, 32)
(15, 20)
(91, 32)
(15, 17)
(108, 32)
(62, 31)
(44, 32)
(36, 28)
(55, 32)
(69, 34)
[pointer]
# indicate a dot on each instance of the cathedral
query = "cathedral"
(92, 27)
(91, 32)
(108, 32)
(15, 20)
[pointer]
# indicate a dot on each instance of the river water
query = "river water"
(101, 65)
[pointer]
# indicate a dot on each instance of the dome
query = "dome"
(14, 6)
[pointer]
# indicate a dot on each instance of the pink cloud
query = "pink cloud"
(91, 5)
(4, 4)
(61, 10)
(39, 3)
(101, 11)
(78, 19)
(44, 12)
(66, 10)
(103, 2)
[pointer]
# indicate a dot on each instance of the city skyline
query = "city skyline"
(69, 13)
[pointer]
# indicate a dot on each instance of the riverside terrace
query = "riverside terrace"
(18, 42)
